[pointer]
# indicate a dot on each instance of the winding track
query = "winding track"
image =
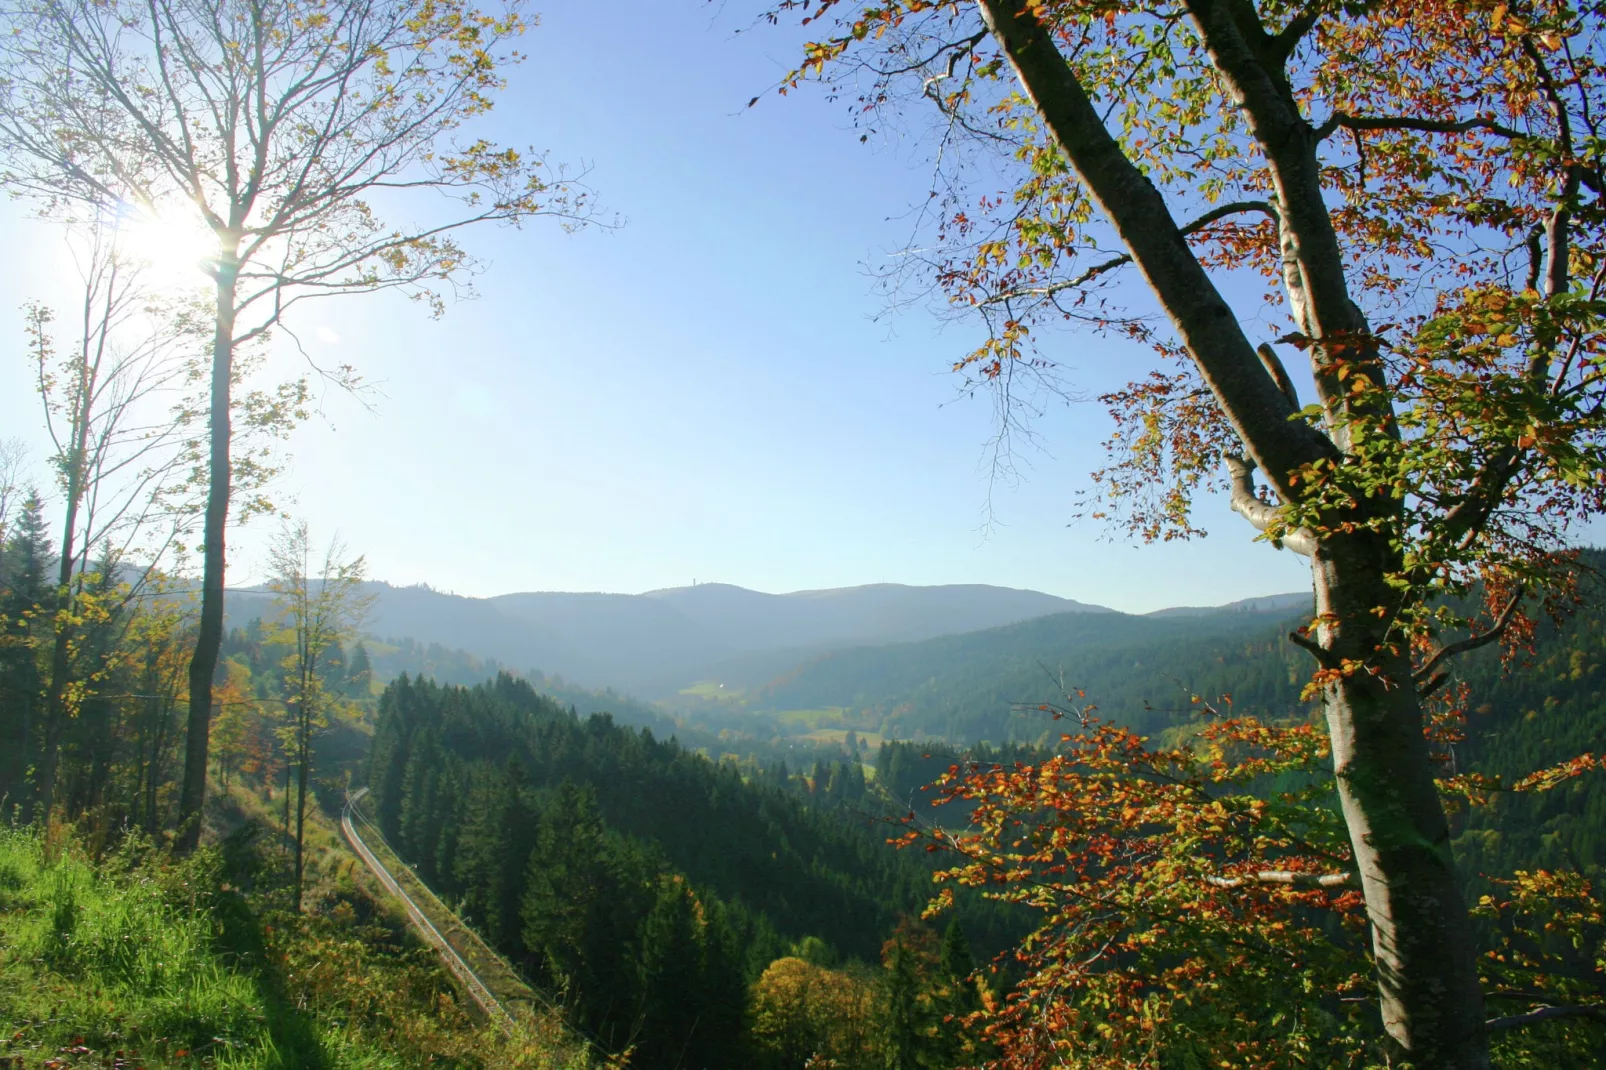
(470, 980)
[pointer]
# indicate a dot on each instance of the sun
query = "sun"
(173, 249)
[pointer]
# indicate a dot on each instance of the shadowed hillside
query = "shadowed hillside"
(657, 643)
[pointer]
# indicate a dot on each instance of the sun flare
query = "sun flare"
(174, 249)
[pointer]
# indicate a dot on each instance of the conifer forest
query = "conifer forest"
(1324, 789)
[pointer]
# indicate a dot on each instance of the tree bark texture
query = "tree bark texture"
(1427, 981)
(1421, 935)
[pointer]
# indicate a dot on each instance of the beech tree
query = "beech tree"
(1199, 903)
(803, 1012)
(281, 129)
(1404, 197)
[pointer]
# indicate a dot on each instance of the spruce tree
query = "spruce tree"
(24, 592)
(493, 855)
(959, 997)
(901, 1036)
(722, 993)
(359, 672)
(671, 977)
(957, 965)
(584, 896)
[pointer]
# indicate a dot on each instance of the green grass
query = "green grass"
(137, 961)
(813, 720)
(713, 691)
(111, 964)
(840, 735)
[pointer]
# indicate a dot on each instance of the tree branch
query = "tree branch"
(1279, 374)
(1284, 42)
(1471, 642)
(1296, 880)
(1340, 121)
(1545, 1014)
(1264, 516)
(1215, 215)
(1432, 685)
(1205, 321)
(1313, 648)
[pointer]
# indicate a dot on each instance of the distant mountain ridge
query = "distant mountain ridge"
(655, 643)
(1270, 603)
(988, 684)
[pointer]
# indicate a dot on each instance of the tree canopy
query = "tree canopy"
(285, 132)
(1406, 198)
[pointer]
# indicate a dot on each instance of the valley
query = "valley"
(947, 663)
(642, 863)
(1005, 305)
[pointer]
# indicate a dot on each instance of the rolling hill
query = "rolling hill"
(964, 688)
(657, 643)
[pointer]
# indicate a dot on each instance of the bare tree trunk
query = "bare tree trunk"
(49, 756)
(136, 793)
(56, 688)
(55, 696)
(288, 765)
(301, 811)
(306, 715)
(155, 732)
(209, 635)
(1421, 934)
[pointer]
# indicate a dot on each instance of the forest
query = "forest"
(653, 887)
(1343, 268)
(747, 913)
(677, 901)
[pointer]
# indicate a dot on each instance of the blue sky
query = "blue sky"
(706, 392)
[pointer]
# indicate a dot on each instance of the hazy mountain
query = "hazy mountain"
(747, 620)
(656, 643)
(969, 687)
(1271, 603)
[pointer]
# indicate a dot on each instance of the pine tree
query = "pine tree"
(722, 994)
(24, 626)
(671, 976)
(958, 997)
(901, 1039)
(584, 896)
(418, 796)
(448, 801)
(493, 860)
(909, 1026)
(359, 673)
(957, 965)
(486, 849)
(854, 788)
(389, 755)
(27, 555)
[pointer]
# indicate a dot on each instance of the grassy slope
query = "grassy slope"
(199, 963)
